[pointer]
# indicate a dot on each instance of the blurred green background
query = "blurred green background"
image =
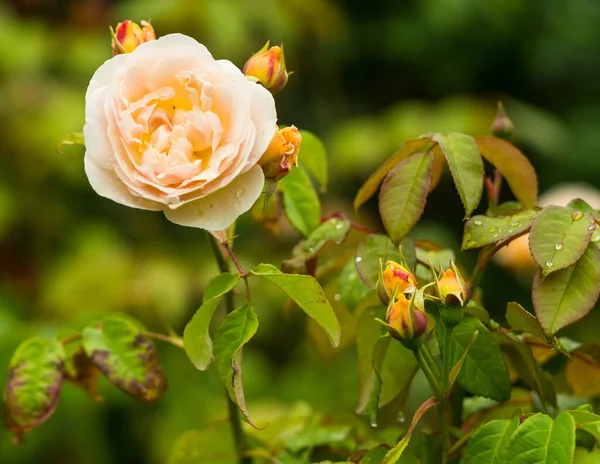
(368, 75)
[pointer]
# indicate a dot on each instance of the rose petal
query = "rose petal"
(108, 185)
(220, 209)
(264, 117)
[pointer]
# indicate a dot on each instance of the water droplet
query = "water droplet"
(311, 249)
(358, 259)
(510, 231)
(495, 235)
(477, 222)
(491, 229)
(373, 423)
(549, 264)
(240, 193)
(592, 227)
(558, 245)
(401, 417)
(515, 223)
(595, 238)
(467, 237)
(339, 226)
(337, 297)
(471, 243)
(577, 215)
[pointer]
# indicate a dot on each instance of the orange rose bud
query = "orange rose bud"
(452, 288)
(127, 36)
(405, 321)
(267, 67)
(281, 154)
(397, 279)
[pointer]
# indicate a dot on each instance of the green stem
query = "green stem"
(443, 406)
(423, 358)
(234, 415)
(444, 427)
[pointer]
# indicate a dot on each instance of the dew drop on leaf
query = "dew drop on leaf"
(491, 229)
(510, 231)
(358, 259)
(477, 222)
(549, 264)
(373, 423)
(471, 243)
(337, 297)
(401, 418)
(515, 223)
(577, 215)
(558, 245)
(592, 227)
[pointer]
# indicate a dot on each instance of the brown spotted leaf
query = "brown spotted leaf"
(80, 370)
(34, 382)
(127, 358)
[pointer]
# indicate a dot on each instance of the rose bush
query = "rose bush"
(169, 128)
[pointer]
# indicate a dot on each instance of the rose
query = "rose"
(168, 128)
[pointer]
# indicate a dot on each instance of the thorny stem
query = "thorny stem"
(222, 262)
(239, 437)
(239, 267)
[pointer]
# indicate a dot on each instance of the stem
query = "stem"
(423, 358)
(239, 437)
(444, 427)
(239, 267)
(165, 338)
(443, 406)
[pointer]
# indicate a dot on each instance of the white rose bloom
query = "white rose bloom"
(169, 128)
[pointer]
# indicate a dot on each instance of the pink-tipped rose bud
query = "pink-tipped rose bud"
(267, 67)
(405, 321)
(281, 154)
(452, 288)
(397, 279)
(128, 36)
(502, 126)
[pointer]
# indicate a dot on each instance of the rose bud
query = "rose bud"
(502, 126)
(452, 288)
(281, 154)
(397, 279)
(267, 67)
(405, 321)
(127, 36)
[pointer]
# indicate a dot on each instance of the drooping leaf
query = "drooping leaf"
(520, 357)
(404, 194)
(466, 166)
(375, 250)
(308, 295)
(72, 138)
(196, 337)
(588, 421)
(541, 440)
(127, 357)
(484, 371)
(300, 201)
(582, 373)
(331, 232)
(369, 188)
(33, 387)
(80, 370)
(559, 236)
(437, 167)
(236, 330)
(484, 230)
(514, 166)
(522, 320)
(567, 295)
(313, 156)
(352, 289)
(489, 440)
(213, 445)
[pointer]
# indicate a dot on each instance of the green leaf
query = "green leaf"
(587, 421)
(404, 194)
(484, 230)
(308, 295)
(484, 371)
(514, 166)
(397, 370)
(579, 205)
(331, 232)
(34, 382)
(352, 289)
(540, 440)
(368, 333)
(127, 358)
(213, 445)
(236, 330)
(567, 295)
(80, 370)
(458, 366)
(316, 435)
(466, 166)
(520, 319)
(521, 359)
(559, 236)
(375, 250)
(369, 188)
(196, 337)
(375, 455)
(72, 138)
(300, 201)
(313, 156)
(489, 440)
